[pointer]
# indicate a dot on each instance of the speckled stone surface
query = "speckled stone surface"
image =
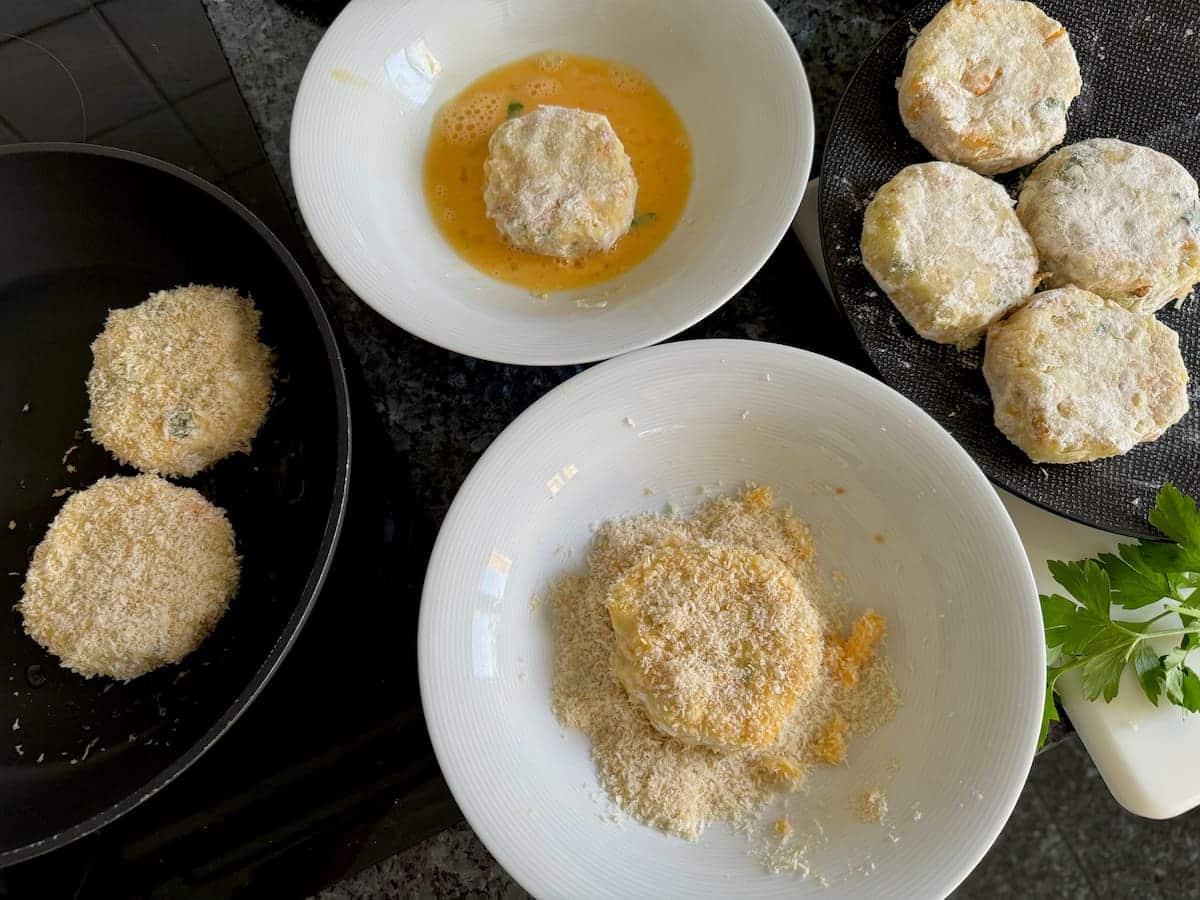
(441, 411)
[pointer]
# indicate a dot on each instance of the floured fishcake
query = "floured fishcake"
(987, 84)
(1116, 219)
(132, 574)
(947, 248)
(1075, 377)
(179, 381)
(558, 182)
(717, 643)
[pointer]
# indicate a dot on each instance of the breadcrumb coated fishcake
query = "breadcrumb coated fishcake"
(947, 248)
(132, 574)
(1116, 219)
(180, 381)
(1075, 377)
(558, 182)
(717, 643)
(987, 84)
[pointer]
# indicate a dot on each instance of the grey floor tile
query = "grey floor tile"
(112, 90)
(168, 40)
(219, 120)
(1030, 859)
(161, 134)
(23, 16)
(1124, 855)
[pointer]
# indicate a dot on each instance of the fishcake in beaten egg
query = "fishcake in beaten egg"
(559, 183)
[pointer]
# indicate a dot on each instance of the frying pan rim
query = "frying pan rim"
(905, 20)
(333, 523)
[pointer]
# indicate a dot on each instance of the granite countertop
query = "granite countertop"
(441, 409)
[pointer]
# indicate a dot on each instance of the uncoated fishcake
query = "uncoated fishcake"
(1116, 219)
(947, 248)
(1075, 377)
(987, 84)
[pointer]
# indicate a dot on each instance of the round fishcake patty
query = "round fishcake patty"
(1116, 219)
(1075, 377)
(179, 381)
(717, 643)
(558, 182)
(987, 84)
(947, 248)
(132, 574)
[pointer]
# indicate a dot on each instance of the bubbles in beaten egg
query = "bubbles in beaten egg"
(551, 61)
(541, 88)
(627, 79)
(471, 118)
(440, 191)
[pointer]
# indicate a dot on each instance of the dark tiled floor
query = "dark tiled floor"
(1069, 838)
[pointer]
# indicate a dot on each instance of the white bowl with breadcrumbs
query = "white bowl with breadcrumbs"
(362, 121)
(914, 531)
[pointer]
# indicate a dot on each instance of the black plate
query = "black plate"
(1140, 84)
(85, 229)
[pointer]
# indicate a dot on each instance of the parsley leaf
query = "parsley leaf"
(1151, 672)
(1049, 710)
(1182, 688)
(1176, 516)
(1136, 581)
(643, 219)
(514, 108)
(1082, 634)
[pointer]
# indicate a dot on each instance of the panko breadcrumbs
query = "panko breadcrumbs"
(180, 381)
(682, 787)
(132, 574)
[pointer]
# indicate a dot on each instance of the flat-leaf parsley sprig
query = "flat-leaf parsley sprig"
(1081, 632)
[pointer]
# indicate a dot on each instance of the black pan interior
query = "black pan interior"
(82, 231)
(1139, 65)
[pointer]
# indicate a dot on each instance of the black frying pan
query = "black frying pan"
(83, 229)
(1140, 84)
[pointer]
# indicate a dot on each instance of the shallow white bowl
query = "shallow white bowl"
(951, 578)
(363, 115)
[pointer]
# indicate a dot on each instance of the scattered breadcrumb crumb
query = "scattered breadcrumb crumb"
(70, 450)
(12, 524)
(61, 492)
(25, 408)
(871, 805)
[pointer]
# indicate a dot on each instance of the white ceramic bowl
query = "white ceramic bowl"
(363, 115)
(952, 579)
